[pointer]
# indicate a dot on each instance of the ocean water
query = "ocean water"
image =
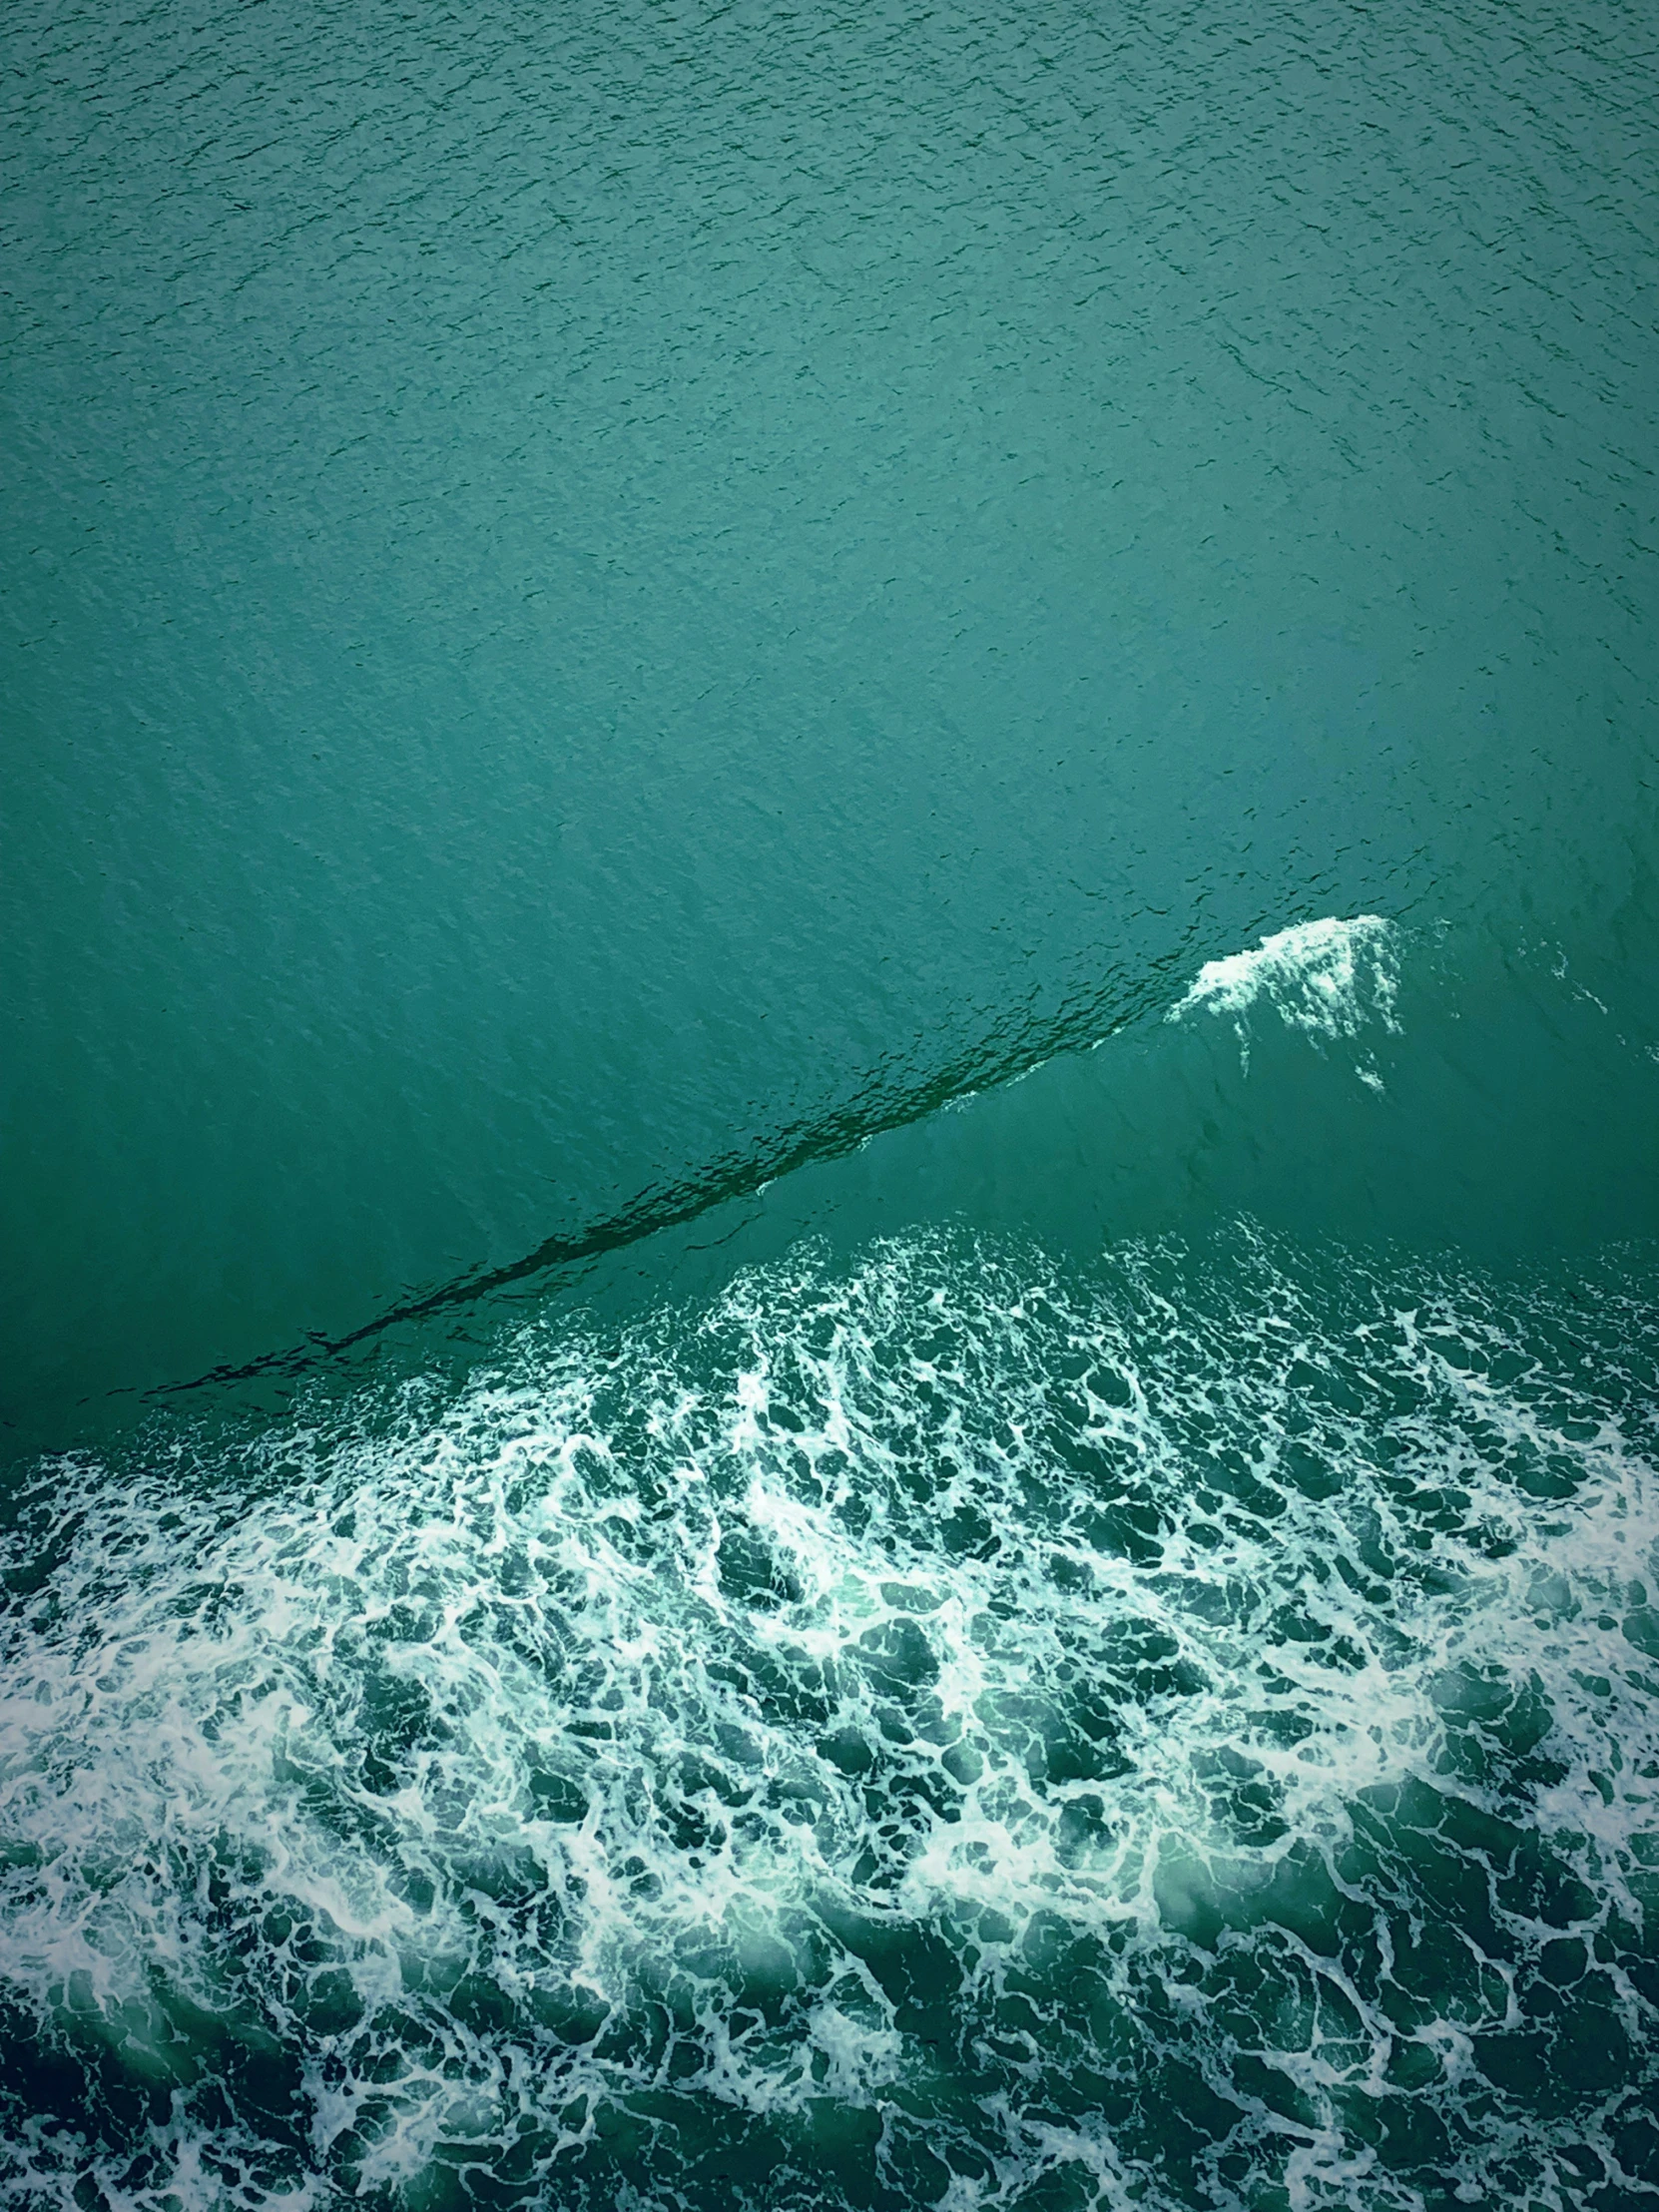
(828, 1331)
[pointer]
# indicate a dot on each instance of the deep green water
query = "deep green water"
(830, 1060)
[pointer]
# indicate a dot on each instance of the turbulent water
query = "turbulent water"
(830, 1221)
(924, 1731)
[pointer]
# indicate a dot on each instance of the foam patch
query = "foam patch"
(934, 1733)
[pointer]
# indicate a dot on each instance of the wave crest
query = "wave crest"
(1329, 978)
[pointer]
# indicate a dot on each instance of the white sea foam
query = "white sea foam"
(605, 1732)
(1331, 979)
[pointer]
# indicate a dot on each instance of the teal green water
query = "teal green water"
(828, 1104)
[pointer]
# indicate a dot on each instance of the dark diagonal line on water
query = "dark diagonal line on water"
(678, 1204)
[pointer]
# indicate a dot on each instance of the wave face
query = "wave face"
(605, 601)
(938, 1730)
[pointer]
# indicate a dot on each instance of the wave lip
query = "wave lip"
(1329, 978)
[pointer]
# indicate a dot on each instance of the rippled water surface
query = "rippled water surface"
(831, 1053)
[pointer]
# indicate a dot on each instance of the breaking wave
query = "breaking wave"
(1330, 979)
